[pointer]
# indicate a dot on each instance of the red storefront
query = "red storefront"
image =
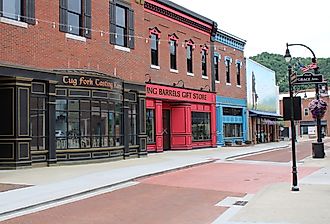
(179, 118)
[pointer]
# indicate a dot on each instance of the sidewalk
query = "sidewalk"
(278, 204)
(53, 184)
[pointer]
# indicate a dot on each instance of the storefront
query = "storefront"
(179, 118)
(264, 126)
(69, 116)
(231, 120)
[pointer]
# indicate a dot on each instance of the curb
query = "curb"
(45, 203)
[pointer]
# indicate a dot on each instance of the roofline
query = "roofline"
(185, 11)
(261, 65)
(231, 35)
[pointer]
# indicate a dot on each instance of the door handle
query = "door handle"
(164, 131)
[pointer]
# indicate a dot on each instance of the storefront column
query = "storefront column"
(244, 124)
(159, 125)
(15, 136)
(50, 123)
(213, 126)
(126, 130)
(142, 130)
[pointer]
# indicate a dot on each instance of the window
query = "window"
(229, 111)
(306, 111)
(75, 17)
(232, 130)
(204, 67)
(121, 25)
(173, 64)
(20, 10)
(88, 124)
(201, 129)
(216, 67)
(190, 58)
(238, 73)
(150, 126)
(154, 49)
(132, 124)
(38, 122)
(227, 61)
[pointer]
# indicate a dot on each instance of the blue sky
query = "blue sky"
(269, 25)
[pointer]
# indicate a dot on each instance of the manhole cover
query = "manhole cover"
(240, 203)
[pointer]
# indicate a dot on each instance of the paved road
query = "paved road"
(200, 194)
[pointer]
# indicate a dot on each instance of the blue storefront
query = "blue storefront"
(231, 120)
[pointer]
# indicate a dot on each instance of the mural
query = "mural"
(262, 92)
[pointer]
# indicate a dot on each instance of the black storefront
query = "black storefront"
(68, 116)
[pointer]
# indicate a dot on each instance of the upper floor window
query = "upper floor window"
(306, 111)
(227, 62)
(19, 10)
(173, 64)
(238, 73)
(204, 66)
(154, 49)
(216, 67)
(189, 58)
(121, 25)
(75, 17)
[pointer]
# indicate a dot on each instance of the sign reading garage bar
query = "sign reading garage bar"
(180, 94)
(89, 81)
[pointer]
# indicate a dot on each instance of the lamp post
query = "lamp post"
(319, 146)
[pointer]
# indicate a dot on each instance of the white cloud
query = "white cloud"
(269, 25)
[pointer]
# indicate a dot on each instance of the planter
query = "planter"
(318, 150)
(238, 142)
(248, 142)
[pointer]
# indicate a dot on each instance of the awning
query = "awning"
(256, 113)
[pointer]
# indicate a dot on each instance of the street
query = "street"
(193, 195)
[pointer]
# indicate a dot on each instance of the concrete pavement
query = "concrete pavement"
(54, 185)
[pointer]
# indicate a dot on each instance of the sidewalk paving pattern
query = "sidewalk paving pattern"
(54, 183)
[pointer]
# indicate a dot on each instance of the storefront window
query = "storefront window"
(150, 126)
(88, 124)
(201, 129)
(232, 130)
(37, 123)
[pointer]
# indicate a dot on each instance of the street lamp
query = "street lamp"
(319, 146)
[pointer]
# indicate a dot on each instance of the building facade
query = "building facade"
(100, 80)
(262, 103)
(230, 87)
(180, 102)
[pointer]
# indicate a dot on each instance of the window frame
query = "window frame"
(151, 117)
(216, 68)
(201, 122)
(173, 55)
(190, 67)
(25, 13)
(80, 19)
(238, 73)
(154, 52)
(227, 63)
(204, 63)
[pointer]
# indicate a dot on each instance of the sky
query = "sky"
(267, 25)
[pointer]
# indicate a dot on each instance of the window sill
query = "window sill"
(155, 67)
(174, 71)
(217, 82)
(13, 22)
(75, 37)
(190, 74)
(121, 48)
(205, 77)
(239, 86)
(228, 84)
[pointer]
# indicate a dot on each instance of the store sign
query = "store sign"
(84, 81)
(171, 93)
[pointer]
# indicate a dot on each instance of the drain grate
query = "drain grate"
(240, 203)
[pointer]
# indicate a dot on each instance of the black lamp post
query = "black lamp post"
(319, 146)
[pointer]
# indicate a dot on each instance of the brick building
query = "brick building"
(99, 80)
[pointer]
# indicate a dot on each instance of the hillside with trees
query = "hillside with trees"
(277, 63)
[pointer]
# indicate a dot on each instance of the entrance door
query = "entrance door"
(166, 130)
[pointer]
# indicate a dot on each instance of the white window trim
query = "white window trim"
(174, 71)
(75, 37)
(228, 83)
(155, 67)
(205, 77)
(13, 22)
(121, 48)
(217, 82)
(239, 86)
(190, 74)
